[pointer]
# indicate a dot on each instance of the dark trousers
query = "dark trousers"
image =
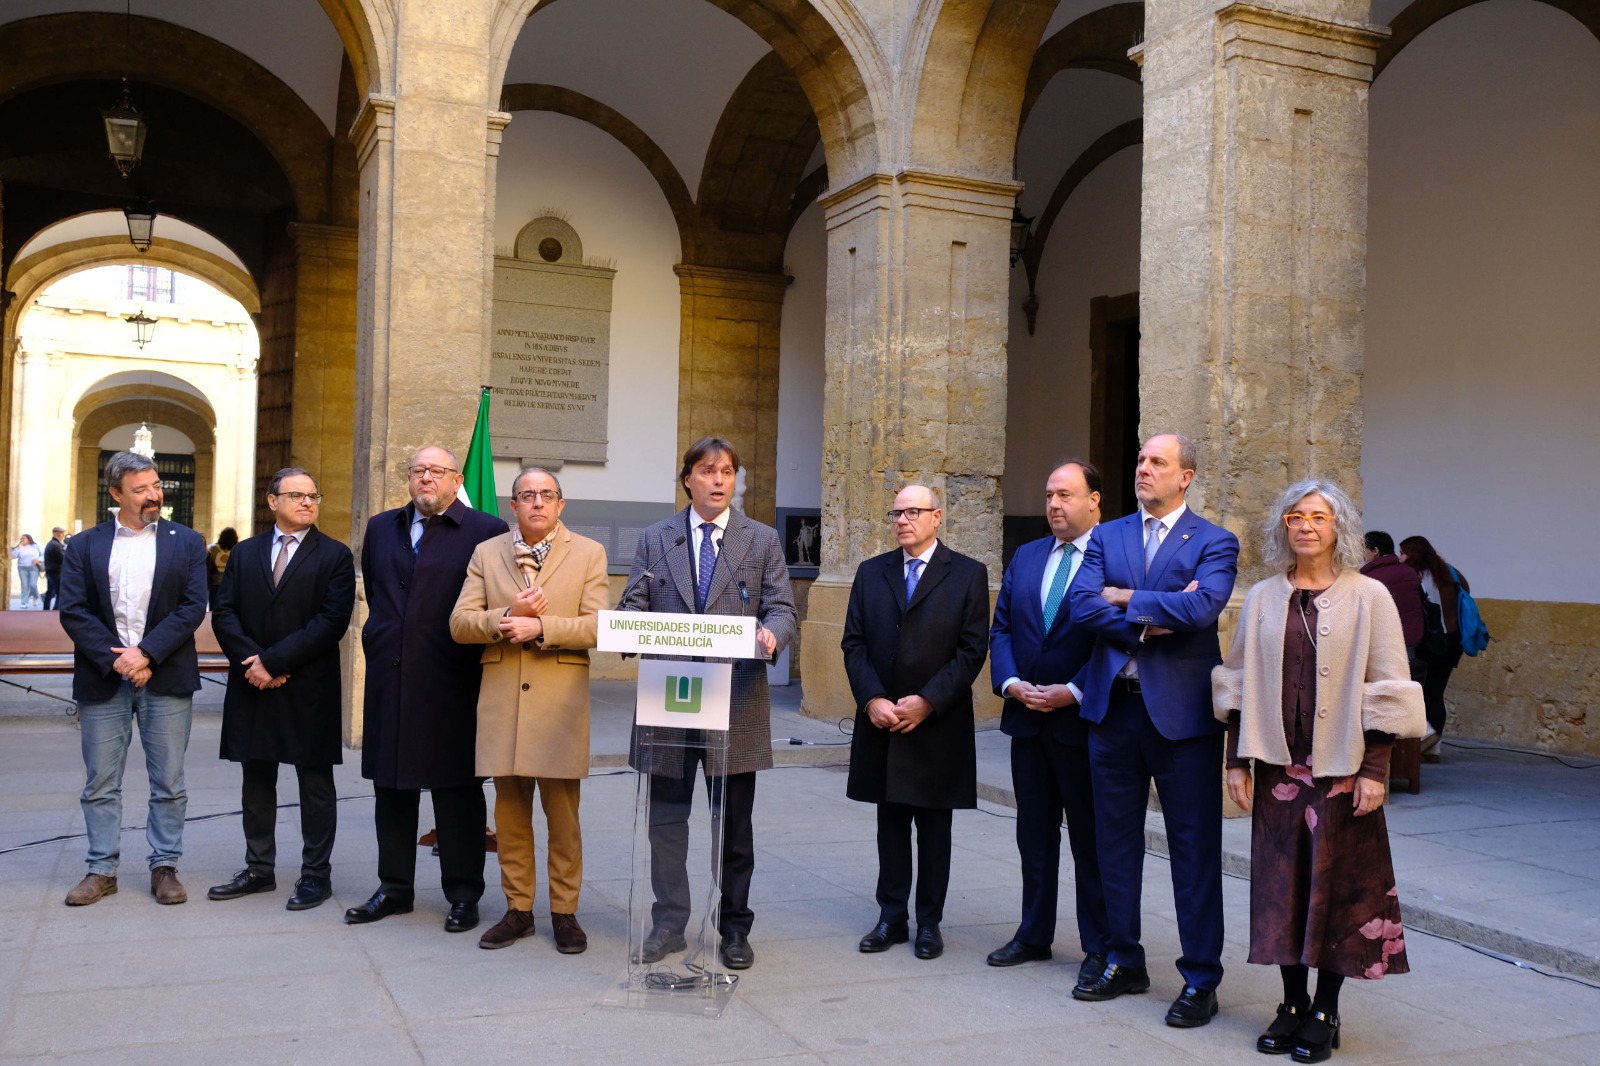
(1051, 780)
(733, 800)
(52, 586)
(1438, 676)
(1126, 752)
(461, 815)
(319, 817)
(894, 862)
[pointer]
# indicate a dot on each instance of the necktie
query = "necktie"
(1058, 586)
(707, 563)
(281, 563)
(1152, 541)
(913, 571)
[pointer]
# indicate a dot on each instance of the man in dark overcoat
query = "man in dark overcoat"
(420, 721)
(916, 634)
(283, 605)
(710, 559)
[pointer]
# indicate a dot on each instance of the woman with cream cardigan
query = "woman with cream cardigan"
(1314, 692)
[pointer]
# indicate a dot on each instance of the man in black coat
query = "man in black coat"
(915, 637)
(284, 603)
(133, 591)
(1034, 653)
(55, 553)
(420, 720)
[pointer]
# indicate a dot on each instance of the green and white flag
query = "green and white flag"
(478, 488)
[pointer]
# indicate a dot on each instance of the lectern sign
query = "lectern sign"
(684, 695)
(709, 636)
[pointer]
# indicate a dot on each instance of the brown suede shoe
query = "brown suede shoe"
(514, 926)
(165, 886)
(92, 889)
(570, 937)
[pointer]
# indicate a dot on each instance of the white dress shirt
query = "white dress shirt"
(1051, 565)
(295, 540)
(131, 574)
(1163, 528)
(926, 557)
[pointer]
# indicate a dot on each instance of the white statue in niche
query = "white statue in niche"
(805, 539)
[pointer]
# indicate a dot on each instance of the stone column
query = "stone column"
(918, 278)
(728, 370)
(322, 429)
(41, 469)
(1253, 245)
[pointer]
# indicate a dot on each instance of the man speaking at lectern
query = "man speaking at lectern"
(709, 559)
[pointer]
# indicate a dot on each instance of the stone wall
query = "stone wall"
(1534, 685)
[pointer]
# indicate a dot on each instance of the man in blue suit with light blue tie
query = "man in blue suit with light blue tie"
(1034, 653)
(1151, 588)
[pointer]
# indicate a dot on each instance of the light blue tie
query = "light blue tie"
(913, 569)
(1152, 542)
(1058, 586)
(708, 563)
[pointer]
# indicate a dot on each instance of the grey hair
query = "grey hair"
(281, 476)
(551, 474)
(1349, 550)
(438, 448)
(1188, 451)
(122, 464)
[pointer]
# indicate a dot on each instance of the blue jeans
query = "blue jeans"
(107, 727)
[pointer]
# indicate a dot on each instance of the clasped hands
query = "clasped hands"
(132, 664)
(1122, 597)
(259, 676)
(1040, 697)
(901, 716)
(523, 623)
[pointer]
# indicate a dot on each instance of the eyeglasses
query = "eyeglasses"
(436, 472)
(1318, 520)
(529, 495)
(296, 497)
(911, 514)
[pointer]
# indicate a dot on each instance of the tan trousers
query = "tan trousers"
(513, 819)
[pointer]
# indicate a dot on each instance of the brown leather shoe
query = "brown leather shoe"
(514, 926)
(570, 937)
(92, 889)
(165, 886)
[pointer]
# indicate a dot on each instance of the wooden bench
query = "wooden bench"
(1405, 760)
(33, 642)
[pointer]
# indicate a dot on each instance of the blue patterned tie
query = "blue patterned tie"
(708, 563)
(913, 570)
(1058, 586)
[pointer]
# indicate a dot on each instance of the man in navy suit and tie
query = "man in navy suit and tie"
(133, 591)
(1034, 653)
(1151, 588)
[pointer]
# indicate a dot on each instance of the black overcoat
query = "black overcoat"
(295, 627)
(420, 721)
(933, 647)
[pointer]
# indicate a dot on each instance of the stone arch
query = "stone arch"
(1104, 147)
(1418, 16)
(524, 96)
(100, 411)
(973, 63)
(53, 49)
(824, 43)
(754, 168)
(367, 29)
(1098, 41)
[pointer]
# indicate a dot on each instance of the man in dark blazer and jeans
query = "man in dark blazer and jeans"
(915, 637)
(283, 605)
(421, 700)
(1034, 653)
(710, 559)
(133, 591)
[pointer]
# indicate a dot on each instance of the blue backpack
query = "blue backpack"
(1474, 634)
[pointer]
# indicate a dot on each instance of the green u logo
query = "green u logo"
(683, 694)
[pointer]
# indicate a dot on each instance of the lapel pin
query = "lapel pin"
(1186, 536)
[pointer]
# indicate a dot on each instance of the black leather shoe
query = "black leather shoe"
(309, 892)
(1114, 981)
(463, 916)
(737, 954)
(659, 944)
(1015, 953)
(1194, 1007)
(1278, 1038)
(1092, 966)
(1316, 1038)
(376, 909)
(884, 936)
(929, 945)
(244, 883)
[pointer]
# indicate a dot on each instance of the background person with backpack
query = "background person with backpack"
(1446, 592)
